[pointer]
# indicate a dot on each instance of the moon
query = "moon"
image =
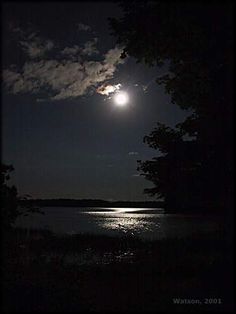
(121, 99)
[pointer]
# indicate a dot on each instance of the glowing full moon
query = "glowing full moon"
(121, 99)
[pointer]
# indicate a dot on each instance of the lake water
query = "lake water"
(149, 223)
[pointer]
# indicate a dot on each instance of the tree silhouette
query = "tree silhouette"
(195, 170)
(9, 210)
(13, 205)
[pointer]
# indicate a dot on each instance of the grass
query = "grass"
(47, 272)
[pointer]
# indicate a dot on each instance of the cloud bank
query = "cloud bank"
(70, 73)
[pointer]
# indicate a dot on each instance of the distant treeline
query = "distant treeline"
(91, 203)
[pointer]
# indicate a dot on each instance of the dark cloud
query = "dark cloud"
(90, 47)
(32, 44)
(71, 51)
(133, 153)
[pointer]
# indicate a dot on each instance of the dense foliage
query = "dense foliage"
(196, 40)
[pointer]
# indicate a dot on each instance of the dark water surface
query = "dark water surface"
(148, 223)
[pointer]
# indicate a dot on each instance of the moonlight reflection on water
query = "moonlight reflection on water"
(142, 222)
(128, 225)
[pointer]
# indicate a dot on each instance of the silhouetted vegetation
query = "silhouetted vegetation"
(9, 211)
(13, 205)
(47, 272)
(195, 170)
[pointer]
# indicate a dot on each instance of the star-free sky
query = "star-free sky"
(61, 127)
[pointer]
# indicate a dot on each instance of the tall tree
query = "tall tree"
(196, 39)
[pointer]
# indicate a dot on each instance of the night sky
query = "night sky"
(61, 128)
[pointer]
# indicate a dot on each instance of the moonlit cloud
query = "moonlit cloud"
(108, 89)
(88, 49)
(63, 79)
(36, 47)
(70, 73)
(113, 55)
(83, 27)
(70, 51)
